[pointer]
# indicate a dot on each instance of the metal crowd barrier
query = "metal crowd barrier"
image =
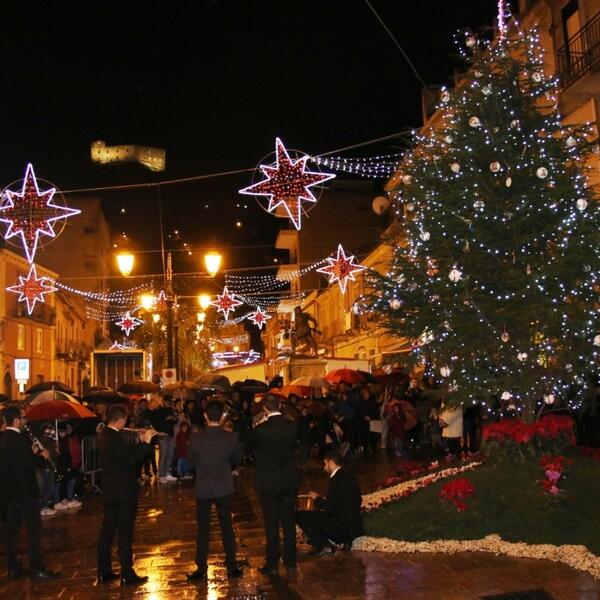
(90, 460)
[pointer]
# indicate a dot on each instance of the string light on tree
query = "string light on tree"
(341, 268)
(128, 323)
(259, 317)
(31, 289)
(31, 213)
(226, 303)
(288, 184)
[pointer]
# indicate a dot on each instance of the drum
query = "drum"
(304, 502)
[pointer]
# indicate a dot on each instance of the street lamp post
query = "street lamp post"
(169, 301)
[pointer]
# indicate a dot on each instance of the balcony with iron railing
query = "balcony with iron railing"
(579, 59)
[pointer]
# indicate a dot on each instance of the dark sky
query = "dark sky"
(212, 82)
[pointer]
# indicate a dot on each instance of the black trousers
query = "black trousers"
(280, 508)
(16, 512)
(223, 505)
(320, 527)
(118, 517)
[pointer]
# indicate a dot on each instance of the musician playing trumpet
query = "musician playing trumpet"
(120, 465)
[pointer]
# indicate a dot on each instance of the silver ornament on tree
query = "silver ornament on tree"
(455, 167)
(508, 182)
(504, 336)
(479, 205)
(495, 166)
(542, 172)
(522, 356)
(537, 76)
(395, 304)
(456, 275)
(581, 204)
(474, 122)
(425, 235)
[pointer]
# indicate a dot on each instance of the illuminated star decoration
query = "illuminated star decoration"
(226, 303)
(287, 184)
(341, 268)
(116, 346)
(128, 323)
(259, 317)
(31, 289)
(161, 301)
(31, 213)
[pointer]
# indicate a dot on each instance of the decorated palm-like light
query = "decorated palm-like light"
(31, 213)
(31, 289)
(341, 268)
(259, 317)
(288, 184)
(226, 303)
(128, 323)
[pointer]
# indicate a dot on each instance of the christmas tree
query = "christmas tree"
(494, 270)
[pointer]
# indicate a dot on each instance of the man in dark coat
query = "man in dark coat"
(273, 443)
(20, 494)
(213, 453)
(338, 518)
(120, 466)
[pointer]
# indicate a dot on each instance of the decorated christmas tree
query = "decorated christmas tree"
(494, 269)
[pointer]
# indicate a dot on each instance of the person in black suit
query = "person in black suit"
(120, 465)
(338, 518)
(273, 443)
(213, 453)
(18, 461)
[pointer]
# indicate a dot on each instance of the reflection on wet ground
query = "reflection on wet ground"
(165, 549)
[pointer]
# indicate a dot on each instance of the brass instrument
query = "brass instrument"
(57, 475)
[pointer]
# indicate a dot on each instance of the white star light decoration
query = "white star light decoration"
(341, 268)
(127, 323)
(31, 213)
(31, 289)
(259, 317)
(287, 184)
(226, 303)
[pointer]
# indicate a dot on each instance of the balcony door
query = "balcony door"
(571, 22)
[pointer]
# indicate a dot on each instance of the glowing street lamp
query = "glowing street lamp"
(204, 301)
(147, 301)
(212, 262)
(125, 262)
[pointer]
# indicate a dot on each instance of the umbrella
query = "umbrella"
(104, 397)
(302, 391)
(181, 389)
(98, 388)
(49, 385)
(250, 386)
(410, 412)
(58, 410)
(369, 377)
(138, 387)
(348, 376)
(213, 380)
(48, 396)
(311, 381)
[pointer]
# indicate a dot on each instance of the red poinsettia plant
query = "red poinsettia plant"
(553, 467)
(552, 434)
(457, 492)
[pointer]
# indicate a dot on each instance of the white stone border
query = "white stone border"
(406, 488)
(577, 557)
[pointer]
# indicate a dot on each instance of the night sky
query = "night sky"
(212, 82)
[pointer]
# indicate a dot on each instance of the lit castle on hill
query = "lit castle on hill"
(153, 158)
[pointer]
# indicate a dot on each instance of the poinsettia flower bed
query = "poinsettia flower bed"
(406, 488)
(457, 492)
(509, 438)
(578, 557)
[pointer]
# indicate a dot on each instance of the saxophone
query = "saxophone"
(57, 475)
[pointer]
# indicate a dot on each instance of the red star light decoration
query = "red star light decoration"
(226, 303)
(341, 268)
(259, 317)
(31, 213)
(287, 184)
(128, 323)
(31, 289)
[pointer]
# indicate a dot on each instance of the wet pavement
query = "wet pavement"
(165, 548)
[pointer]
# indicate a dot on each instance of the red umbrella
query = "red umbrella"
(348, 376)
(410, 412)
(301, 391)
(58, 410)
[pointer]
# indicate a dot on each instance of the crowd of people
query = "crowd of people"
(208, 437)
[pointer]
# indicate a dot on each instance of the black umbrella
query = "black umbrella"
(49, 385)
(99, 388)
(213, 380)
(103, 397)
(138, 387)
(369, 377)
(250, 386)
